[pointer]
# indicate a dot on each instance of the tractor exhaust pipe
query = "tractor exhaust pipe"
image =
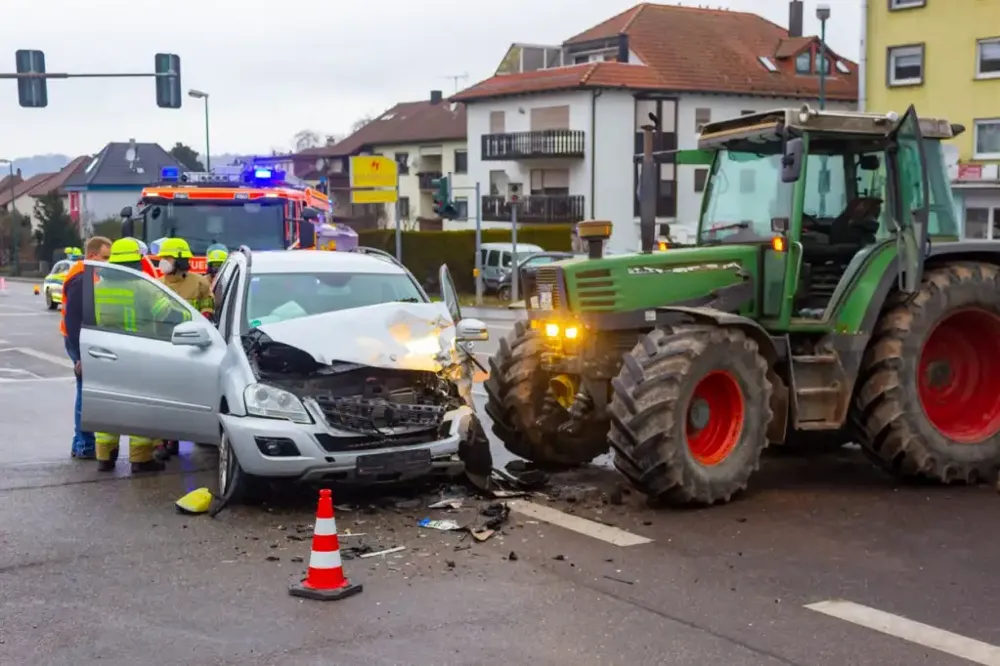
(647, 190)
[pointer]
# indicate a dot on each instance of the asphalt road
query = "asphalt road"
(103, 569)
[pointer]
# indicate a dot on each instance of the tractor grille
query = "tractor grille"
(547, 282)
(596, 290)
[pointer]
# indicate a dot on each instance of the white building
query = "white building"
(565, 121)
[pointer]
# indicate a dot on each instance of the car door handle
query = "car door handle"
(103, 353)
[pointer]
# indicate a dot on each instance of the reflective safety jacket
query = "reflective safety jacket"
(133, 307)
(193, 288)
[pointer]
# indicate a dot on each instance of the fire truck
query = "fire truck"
(251, 204)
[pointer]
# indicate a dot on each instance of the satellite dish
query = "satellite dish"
(130, 155)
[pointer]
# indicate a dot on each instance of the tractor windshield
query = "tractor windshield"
(743, 194)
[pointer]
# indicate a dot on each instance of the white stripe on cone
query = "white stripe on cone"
(320, 560)
(325, 527)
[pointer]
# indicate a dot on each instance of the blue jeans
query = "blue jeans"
(83, 442)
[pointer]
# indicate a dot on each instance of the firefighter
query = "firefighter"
(215, 257)
(175, 254)
(119, 303)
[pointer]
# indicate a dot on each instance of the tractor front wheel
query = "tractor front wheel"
(928, 400)
(690, 413)
(517, 391)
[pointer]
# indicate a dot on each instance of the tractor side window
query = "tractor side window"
(911, 174)
(942, 220)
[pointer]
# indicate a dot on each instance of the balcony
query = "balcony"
(427, 178)
(557, 209)
(523, 145)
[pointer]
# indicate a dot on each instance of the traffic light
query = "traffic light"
(443, 207)
(168, 80)
(31, 92)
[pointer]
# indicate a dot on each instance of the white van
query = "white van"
(497, 259)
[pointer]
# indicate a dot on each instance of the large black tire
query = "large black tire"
(653, 393)
(516, 400)
(928, 395)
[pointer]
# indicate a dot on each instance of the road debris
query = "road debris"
(387, 551)
(446, 504)
(619, 580)
(443, 525)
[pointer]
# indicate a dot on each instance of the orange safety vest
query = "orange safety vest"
(73, 271)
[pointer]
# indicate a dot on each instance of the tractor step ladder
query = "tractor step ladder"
(821, 400)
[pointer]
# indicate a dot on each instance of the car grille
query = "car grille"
(335, 444)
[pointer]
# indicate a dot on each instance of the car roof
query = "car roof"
(510, 246)
(306, 261)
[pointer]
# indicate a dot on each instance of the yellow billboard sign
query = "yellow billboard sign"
(374, 196)
(373, 171)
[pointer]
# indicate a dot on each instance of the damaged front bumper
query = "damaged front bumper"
(274, 448)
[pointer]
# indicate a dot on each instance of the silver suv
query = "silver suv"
(319, 366)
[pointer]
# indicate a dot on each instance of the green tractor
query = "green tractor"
(828, 299)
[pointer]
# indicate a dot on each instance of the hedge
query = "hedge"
(425, 251)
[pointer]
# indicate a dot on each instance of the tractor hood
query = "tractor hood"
(636, 281)
(403, 336)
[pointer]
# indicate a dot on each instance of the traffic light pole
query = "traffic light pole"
(399, 225)
(514, 272)
(479, 246)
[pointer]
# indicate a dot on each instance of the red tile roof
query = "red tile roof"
(407, 122)
(686, 49)
(25, 187)
(57, 180)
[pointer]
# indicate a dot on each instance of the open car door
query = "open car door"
(911, 198)
(143, 374)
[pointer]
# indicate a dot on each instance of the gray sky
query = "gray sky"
(274, 68)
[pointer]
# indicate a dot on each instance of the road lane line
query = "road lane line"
(607, 533)
(51, 358)
(916, 632)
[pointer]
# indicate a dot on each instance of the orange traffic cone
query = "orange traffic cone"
(37, 290)
(3, 285)
(325, 580)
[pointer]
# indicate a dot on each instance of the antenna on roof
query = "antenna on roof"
(456, 78)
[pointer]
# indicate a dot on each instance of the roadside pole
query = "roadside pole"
(15, 224)
(514, 277)
(479, 246)
(399, 225)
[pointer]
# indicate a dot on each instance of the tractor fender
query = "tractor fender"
(712, 316)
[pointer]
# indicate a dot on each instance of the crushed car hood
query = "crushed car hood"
(405, 336)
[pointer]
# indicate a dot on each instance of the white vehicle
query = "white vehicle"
(320, 366)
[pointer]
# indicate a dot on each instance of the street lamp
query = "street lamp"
(15, 232)
(197, 94)
(823, 14)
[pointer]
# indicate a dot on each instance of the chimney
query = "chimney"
(622, 47)
(436, 97)
(795, 12)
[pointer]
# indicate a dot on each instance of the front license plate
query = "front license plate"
(394, 462)
(545, 300)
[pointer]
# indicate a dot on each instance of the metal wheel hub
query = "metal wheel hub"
(699, 414)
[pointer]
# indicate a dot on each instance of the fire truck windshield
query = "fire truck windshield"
(259, 226)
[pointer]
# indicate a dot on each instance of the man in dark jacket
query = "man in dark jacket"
(97, 248)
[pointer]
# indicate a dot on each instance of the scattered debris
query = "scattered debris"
(272, 558)
(508, 494)
(354, 552)
(443, 525)
(497, 513)
(512, 557)
(387, 551)
(446, 504)
(296, 559)
(560, 558)
(481, 535)
(450, 564)
(619, 580)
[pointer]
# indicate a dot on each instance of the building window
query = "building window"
(822, 61)
(905, 4)
(905, 65)
(550, 182)
(700, 178)
(462, 207)
(403, 163)
(988, 58)
(987, 139)
(702, 117)
(461, 161)
(404, 208)
(977, 222)
(803, 63)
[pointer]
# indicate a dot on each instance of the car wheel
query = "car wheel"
(503, 293)
(48, 300)
(234, 483)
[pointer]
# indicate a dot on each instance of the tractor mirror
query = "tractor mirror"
(869, 163)
(126, 212)
(310, 214)
(791, 162)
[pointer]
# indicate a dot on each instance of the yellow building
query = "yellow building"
(943, 56)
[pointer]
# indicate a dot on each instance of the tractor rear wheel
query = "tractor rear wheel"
(517, 391)
(690, 413)
(928, 396)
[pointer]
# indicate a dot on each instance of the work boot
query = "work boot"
(109, 464)
(173, 446)
(148, 466)
(161, 453)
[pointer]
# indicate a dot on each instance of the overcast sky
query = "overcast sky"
(274, 68)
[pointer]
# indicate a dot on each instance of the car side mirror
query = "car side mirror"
(191, 334)
(791, 161)
(310, 214)
(471, 330)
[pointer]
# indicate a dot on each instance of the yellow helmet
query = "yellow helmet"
(125, 251)
(217, 254)
(175, 248)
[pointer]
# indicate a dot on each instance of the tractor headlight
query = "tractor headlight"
(569, 331)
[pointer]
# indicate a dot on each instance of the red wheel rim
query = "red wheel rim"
(714, 417)
(959, 376)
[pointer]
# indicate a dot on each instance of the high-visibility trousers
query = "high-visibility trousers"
(140, 449)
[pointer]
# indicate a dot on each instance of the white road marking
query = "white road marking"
(4, 380)
(4, 342)
(24, 314)
(51, 358)
(612, 535)
(956, 645)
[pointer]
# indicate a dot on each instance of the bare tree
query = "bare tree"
(306, 139)
(361, 122)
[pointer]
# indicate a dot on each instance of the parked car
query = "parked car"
(527, 268)
(319, 366)
(496, 260)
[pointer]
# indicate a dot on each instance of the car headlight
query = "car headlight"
(274, 403)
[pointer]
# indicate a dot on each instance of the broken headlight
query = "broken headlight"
(274, 403)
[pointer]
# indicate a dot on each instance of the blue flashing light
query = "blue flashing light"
(170, 173)
(262, 174)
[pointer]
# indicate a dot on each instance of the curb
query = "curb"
(28, 280)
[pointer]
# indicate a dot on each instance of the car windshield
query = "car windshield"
(743, 194)
(275, 297)
(259, 226)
